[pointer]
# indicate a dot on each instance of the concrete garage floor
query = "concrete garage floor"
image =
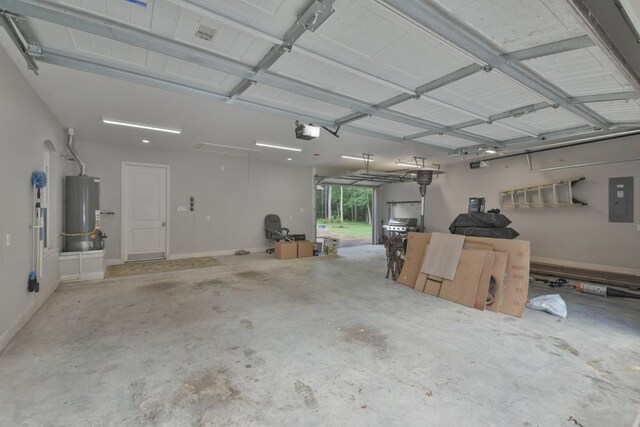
(319, 341)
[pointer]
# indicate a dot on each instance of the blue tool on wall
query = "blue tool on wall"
(38, 182)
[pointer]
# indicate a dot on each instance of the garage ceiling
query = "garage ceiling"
(447, 76)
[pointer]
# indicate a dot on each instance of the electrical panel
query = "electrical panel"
(621, 199)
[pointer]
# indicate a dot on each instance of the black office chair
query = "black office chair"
(274, 231)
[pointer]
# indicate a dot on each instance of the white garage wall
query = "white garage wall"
(578, 234)
(25, 123)
(237, 198)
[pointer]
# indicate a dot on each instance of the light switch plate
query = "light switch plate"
(9, 238)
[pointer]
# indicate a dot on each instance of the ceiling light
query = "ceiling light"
(279, 147)
(490, 151)
(204, 146)
(289, 158)
(409, 165)
(145, 141)
(140, 126)
(356, 158)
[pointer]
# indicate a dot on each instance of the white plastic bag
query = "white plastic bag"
(553, 304)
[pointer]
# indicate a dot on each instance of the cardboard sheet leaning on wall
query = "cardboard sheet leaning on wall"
(496, 266)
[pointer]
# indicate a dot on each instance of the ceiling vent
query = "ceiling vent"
(205, 33)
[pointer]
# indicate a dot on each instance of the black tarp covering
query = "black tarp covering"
(483, 224)
(496, 233)
(479, 219)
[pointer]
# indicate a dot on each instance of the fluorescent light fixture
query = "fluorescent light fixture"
(208, 145)
(145, 141)
(356, 158)
(289, 158)
(279, 147)
(490, 151)
(409, 165)
(139, 125)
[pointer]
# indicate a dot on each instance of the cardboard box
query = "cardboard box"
(305, 249)
(286, 250)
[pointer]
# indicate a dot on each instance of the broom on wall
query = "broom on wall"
(38, 181)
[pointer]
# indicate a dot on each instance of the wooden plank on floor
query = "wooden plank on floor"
(605, 277)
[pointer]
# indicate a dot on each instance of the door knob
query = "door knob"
(164, 223)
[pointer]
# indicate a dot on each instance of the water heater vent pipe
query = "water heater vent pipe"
(72, 148)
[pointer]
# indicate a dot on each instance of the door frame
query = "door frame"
(123, 207)
(375, 232)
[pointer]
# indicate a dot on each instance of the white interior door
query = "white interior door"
(144, 195)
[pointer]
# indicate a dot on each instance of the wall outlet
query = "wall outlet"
(9, 237)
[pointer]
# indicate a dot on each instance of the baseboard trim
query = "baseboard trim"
(113, 261)
(96, 275)
(214, 253)
(587, 265)
(39, 299)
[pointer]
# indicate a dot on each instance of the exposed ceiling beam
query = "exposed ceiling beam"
(6, 21)
(578, 134)
(520, 55)
(516, 112)
(218, 12)
(553, 48)
(434, 18)
(558, 138)
(604, 97)
(136, 75)
(315, 14)
(611, 34)
(106, 27)
(438, 83)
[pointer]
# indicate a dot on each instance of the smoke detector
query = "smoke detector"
(205, 33)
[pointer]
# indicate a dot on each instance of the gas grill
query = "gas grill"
(401, 225)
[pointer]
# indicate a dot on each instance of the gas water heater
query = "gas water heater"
(83, 230)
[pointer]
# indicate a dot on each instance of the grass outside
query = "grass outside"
(348, 228)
